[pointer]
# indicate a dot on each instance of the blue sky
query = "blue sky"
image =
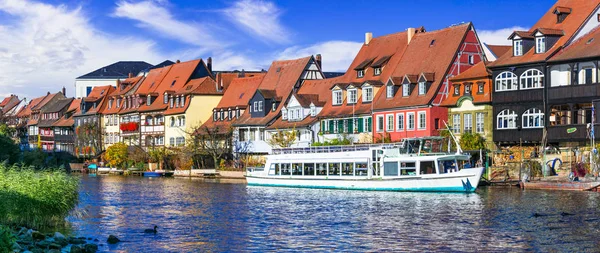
(49, 43)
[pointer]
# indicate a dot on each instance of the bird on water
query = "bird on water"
(151, 231)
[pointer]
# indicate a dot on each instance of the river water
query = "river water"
(229, 216)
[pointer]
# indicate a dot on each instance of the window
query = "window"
(456, 90)
(260, 106)
(284, 114)
(360, 73)
(468, 127)
(166, 98)
(273, 106)
(182, 121)
(118, 102)
(456, 123)
(367, 94)
(377, 71)
(405, 90)
(110, 102)
(171, 102)
(479, 122)
(471, 59)
(507, 119)
(400, 121)
(337, 97)
(411, 121)
(422, 121)
(313, 110)
(389, 91)
(506, 81)
(480, 88)
(532, 79)
(421, 88)
(540, 45)
(533, 118)
(180, 141)
(177, 102)
(517, 47)
(352, 96)
(182, 101)
(467, 89)
(390, 122)
(255, 109)
(172, 122)
(172, 141)
(586, 76)
(379, 123)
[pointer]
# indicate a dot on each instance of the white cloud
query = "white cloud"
(157, 18)
(45, 47)
(337, 55)
(498, 37)
(260, 19)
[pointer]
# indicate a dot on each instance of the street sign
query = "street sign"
(571, 130)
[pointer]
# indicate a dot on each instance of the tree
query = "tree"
(283, 138)
(116, 155)
(6, 130)
(9, 151)
(472, 141)
(214, 141)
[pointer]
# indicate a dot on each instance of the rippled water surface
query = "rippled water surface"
(229, 216)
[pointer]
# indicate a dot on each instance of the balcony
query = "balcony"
(32, 138)
(46, 138)
(518, 96)
(560, 134)
(129, 127)
(64, 138)
(152, 129)
(573, 93)
(524, 135)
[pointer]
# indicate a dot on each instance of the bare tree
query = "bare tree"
(283, 138)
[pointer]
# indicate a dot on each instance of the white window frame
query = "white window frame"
(377, 71)
(479, 122)
(389, 91)
(389, 122)
(260, 106)
(360, 73)
(508, 115)
(470, 59)
(532, 79)
(517, 47)
(540, 44)
(467, 123)
(506, 81)
(400, 121)
(533, 114)
(405, 90)
(422, 119)
(255, 105)
(456, 123)
(367, 94)
(422, 88)
(352, 95)
(379, 127)
(337, 97)
(410, 124)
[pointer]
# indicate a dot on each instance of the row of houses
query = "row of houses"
(541, 89)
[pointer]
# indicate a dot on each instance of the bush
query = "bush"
(36, 199)
(9, 151)
(6, 239)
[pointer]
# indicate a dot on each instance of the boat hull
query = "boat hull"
(466, 180)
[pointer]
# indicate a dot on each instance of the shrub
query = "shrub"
(6, 239)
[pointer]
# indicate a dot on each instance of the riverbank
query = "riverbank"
(29, 240)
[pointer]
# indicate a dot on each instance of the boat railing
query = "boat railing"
(333, 149)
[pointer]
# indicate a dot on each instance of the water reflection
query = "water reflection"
(208, 215)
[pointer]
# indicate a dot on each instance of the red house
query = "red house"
(408, 104)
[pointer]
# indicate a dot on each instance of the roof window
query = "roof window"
(432, 43)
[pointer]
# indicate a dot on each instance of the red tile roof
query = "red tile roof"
(579, 13)
(585, 47)
(499, 50)
(198, 86)
(240, 92)
(430, 52)
(67, 122)
(478, 70)
(9, 103)
(35, 109)
(473, 76)
(99, 95)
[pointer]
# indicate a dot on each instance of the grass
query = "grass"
(36, 199)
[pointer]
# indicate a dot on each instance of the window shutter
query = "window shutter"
(361, 125)
(350, 125)
(340, 125)
(330, 126)
(369, 124)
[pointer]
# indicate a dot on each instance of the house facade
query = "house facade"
(108, 75)
(88, 122)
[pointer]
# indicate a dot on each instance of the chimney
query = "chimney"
(64, 91)
(368, 37)
(178, 61)
(410, 32)
(48, 93)
(130, 75)
(318, 59)
(243, 73)
(209, 64)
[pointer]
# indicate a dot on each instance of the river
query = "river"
(195, 215)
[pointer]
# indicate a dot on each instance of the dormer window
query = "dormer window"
(517, 47)
(260, 106)
(467, 89)
(456, 90)
(171, 102)
(284, 113)
(360, 73)
(480, 88)
(377, 71)
(422, 88)
(118, 102)
(166, 99)
(237, 112)
(182, 101)
(367, 94)
(540, 45)
(406, 90)
(313, 110)
(352, 96)
(389, 91)
(337, 97)
(148, 100)
(177, 102)
(273, 106)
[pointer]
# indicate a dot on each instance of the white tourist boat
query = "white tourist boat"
(415, 164)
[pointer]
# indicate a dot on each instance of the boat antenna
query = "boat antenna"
(458, 149)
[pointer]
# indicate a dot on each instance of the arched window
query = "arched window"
(532, 79)
(506, 81)
(533, 118)
(507, 119)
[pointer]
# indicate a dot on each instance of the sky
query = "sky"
(45, 45)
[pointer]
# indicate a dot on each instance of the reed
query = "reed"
(36, 199)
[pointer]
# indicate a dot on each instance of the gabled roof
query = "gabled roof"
(65, 121)
(58, 105)
(522, 34)
(587, 46)
(162, 64)
(498, 50)
(548, 31)
(268, 94)
(422, 57)
(381, 61)
(478, 70)
(580, 12)
(9, 103)
(117, 70)
(99, 96)
(43, 102)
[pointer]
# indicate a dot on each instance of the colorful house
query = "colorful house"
(64, 129)
(88, 122)
(50, 114)
(111, 119)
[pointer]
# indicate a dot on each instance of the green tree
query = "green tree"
(9, 151)
(6, 130)
(116, 155)
(283, 138)
(472, 141)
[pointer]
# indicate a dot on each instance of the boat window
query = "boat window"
(321, 169)
(286, 169)
(334, 169)
(296, 169)
(408, 169)
(361, 169)
(427, 167)
(447, 166)
(347, 169)
(274, 170)
(309, 169)
(390, 168)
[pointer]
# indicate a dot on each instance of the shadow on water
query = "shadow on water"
(208, 215)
